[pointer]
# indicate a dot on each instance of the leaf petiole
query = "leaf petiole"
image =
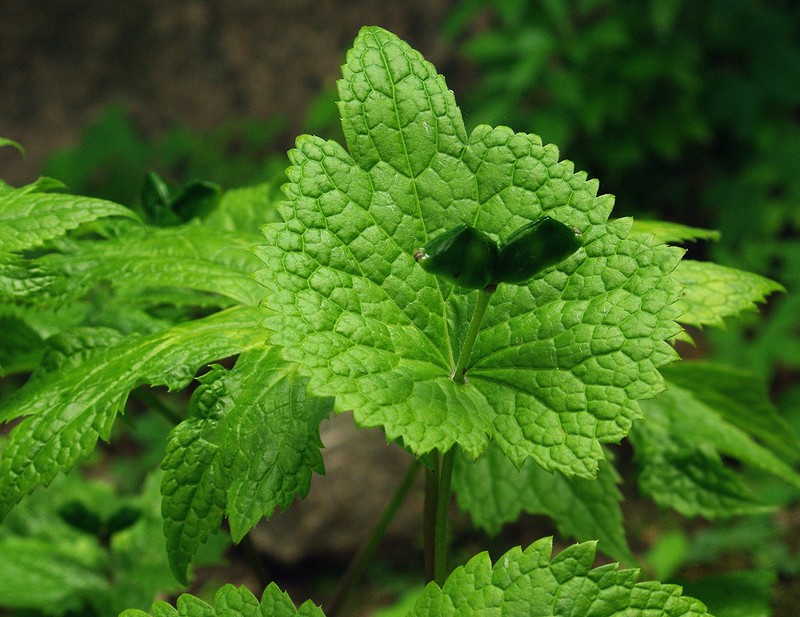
(459, 374)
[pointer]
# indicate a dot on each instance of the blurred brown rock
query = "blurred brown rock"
(361, 475)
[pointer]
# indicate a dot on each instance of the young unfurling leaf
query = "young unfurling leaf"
(462, 256)
(533, 248)
(468, 257)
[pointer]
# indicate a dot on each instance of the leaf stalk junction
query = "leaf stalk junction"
(438, 479)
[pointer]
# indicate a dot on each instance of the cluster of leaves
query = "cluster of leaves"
(340, 317)
(54, 560)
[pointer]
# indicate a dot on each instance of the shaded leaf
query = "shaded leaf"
(680, 448)
(249, 446)
(742, 399)
(494, 492)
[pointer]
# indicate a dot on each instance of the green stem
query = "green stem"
(442, 512)
(459, 374)
(437, 507)
(429, 518)
(367, 550)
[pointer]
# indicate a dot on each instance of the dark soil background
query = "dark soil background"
(181, 62)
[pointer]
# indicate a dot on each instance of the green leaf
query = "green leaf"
(4, 141)
(20, 279)
(495, 492)
(29, 217)
(243, 209)
(530, 582)
(680, 448)
(249, 446)
(713, 292)
(69, 409)
(140, 556)
(233, 601)
(673, 233)
(527, 582)
(190, 257)
(41, 574)
(193, 492)
(71, 571)
(560, 362)
(742, 399)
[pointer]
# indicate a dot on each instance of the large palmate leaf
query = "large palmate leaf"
(560, 362)
(68, 409)
(249, 446)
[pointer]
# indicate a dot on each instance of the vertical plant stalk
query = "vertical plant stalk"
(367, 550)
(429, 518)
(441, 538)
(438, 479)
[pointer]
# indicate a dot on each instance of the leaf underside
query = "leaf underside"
(560, 362)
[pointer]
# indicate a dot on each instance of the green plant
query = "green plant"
(511, 392)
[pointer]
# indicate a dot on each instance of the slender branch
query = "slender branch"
(459, 374)
(367, 550)
(146, 396)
